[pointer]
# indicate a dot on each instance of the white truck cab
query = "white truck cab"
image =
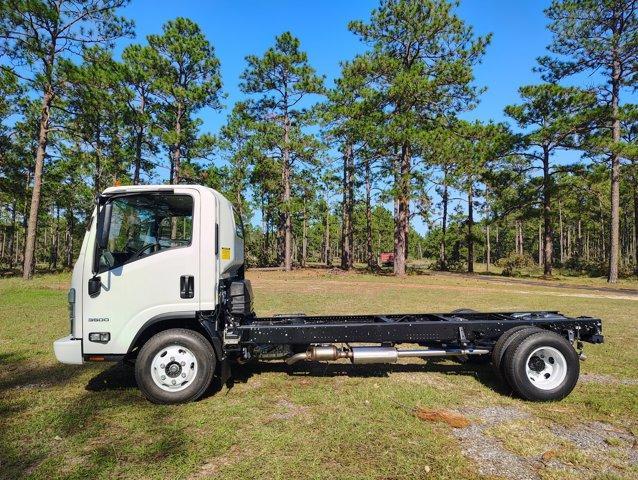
(151, 254)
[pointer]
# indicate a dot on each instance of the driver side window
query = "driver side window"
(145, 224)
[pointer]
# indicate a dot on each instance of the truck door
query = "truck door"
(148, 270)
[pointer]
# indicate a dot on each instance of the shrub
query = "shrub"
(451, 266)
(579, 266)
(514, 264)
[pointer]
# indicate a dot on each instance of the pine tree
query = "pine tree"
(186, 79)
(138, 77)
(480, 146)
(279, 81)
(38, 34)
(420, 63)
(241, 144)
(349, 115)
(598, 36)
(559, 117)
(95, 111)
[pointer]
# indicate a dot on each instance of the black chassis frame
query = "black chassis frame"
(426, 329)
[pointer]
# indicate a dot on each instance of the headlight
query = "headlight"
(71, 299)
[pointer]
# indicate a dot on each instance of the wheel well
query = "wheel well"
(154, 327)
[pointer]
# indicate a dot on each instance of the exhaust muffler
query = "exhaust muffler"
(361, 355)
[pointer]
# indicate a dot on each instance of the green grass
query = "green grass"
(313, 421)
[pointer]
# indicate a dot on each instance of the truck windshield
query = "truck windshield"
(145, 224)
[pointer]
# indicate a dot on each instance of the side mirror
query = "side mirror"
(95, 285)
(104, 226)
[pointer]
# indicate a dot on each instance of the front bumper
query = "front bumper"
(68, 350)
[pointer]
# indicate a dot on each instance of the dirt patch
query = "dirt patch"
(425, 378)
(487, 452)
(497, 414)
(601, 440)
(584, 450)
(287, 411)
(606, 379)
(211, 468)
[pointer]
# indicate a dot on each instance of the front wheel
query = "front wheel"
(175, 366)
(542, 366)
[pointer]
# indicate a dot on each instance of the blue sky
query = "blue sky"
(242, 27)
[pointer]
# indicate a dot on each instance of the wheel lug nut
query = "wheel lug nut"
(163, 377)
(182, 363)
(162, 366)
(183, 375)
(172, 359)
(174, 382)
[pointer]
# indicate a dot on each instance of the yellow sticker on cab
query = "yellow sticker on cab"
(225, 253)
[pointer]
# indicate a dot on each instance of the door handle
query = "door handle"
(186, 286)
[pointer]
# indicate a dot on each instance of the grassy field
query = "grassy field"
(318, 420)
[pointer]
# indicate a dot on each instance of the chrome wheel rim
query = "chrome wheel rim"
(546, 368)
(173, 368)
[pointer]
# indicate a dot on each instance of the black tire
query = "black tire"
(200, 348)
(515, 365)
(504, 341)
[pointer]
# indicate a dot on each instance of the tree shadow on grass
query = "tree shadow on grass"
(25, 383)
(483, 373)
(33, 391)
(20, 371)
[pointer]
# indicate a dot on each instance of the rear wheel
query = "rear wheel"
(505, 340)
(175, 366)
(542, 366)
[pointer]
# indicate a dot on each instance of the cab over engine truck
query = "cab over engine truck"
(160, 281)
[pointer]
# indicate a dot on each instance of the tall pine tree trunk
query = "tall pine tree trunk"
(548, 246)
(402, 221)
(470, 228)
(304, 239)
(635, 192)
(32, 225)
(540, 244)
(176, 148)
(139, 140)
(138, 156)
(488, 248)
(326, 249)
(287, 220)
(264, 234)
(561, 234)
(615, 173)
(55, 239)
(445, 199)
(346, 209)
(70, 224)
(368, 180)
(13, 232)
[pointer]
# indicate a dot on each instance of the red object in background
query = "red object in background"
(386, 258)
